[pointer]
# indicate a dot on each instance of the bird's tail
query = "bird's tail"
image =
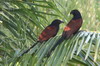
(57, 43)
(29, 49)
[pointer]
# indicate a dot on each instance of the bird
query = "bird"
(70, 29)
(49, 32)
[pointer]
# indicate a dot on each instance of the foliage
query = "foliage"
(21, 21)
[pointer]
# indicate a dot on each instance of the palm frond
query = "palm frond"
(22, 21)
(69, 49)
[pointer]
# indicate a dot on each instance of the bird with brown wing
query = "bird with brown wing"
(47, 33)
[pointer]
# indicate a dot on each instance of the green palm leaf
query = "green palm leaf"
(22, 21)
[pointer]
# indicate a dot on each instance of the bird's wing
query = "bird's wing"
(72, 27)
(47, 33)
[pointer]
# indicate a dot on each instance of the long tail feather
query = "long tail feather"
(57, 43)
(29, 49)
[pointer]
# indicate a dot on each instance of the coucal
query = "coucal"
(70, 29)
(47, 33)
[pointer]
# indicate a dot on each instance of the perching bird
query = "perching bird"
(71, 28)
(47, 33)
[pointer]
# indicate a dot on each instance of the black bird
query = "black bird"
(47, 33)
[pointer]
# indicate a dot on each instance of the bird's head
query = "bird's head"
(76, 13)
(56, 22)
